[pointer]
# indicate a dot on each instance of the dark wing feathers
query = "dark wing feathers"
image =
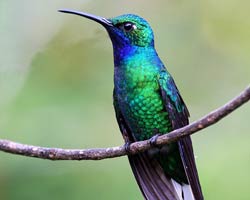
(178, 114)
(149, 175)
(185, 147)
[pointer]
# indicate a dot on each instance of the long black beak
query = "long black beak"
(105, 22)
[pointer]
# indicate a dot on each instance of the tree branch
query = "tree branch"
(103, 153)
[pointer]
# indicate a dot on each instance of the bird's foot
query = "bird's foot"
(153, 140)
(127, 147)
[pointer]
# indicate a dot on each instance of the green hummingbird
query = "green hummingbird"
(147, 104)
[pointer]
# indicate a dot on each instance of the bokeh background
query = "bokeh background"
(56, 80)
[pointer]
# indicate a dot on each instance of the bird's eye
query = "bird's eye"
(128, 26)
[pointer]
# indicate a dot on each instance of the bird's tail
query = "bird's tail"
(153, 182)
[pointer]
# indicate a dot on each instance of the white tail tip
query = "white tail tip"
(184, 191)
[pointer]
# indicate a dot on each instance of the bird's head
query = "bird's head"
(125, 30)
(131, 30)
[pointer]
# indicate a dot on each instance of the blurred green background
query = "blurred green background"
(56, 80)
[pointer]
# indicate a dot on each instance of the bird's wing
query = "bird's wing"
(150, 177)
(178, 114)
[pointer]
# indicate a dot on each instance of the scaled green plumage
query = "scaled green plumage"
(138, 80)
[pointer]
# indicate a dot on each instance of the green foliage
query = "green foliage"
(56, 90)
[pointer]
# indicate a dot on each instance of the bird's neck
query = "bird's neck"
(135, 55)
(135, 66)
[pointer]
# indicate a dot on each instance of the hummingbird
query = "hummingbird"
(147, 104)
